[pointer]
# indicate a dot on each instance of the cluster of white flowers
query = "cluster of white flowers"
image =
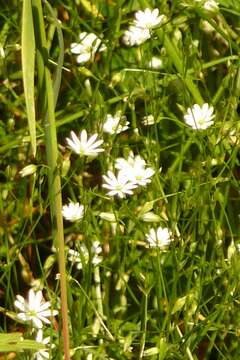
(87, 47)
(143, 23)
(82, 256)
(199, 117)
(115, 124)
(131, 174)
(36, 311)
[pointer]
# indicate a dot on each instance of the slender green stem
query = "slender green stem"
(54, 180)
(178, 63)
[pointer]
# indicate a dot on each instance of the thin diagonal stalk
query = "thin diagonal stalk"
(178, 63)
(54, 181)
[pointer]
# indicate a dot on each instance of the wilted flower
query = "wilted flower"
(120, 185)
(134, 169)
(210, 5)
(82, 256)
(108, 216)
(87, 47)
(155, 63)
(148, 18)
(35, 309)
(28, 170)
(135, 36)
(83, 146)
(115, 124)
(73, 211)
(42, 353)
(150, 217)
(199, 118)
(161, 237)
(148, 120)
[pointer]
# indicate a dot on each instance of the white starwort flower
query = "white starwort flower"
(119, 185)
(134, 169)
(161, 237)
(42, 353)
(87, 47)
(73, 211)
(135, 36)
(115, 124)
(148, 18)
(35, 309)
(82, 256)
(148, 120)
(83, 146)
(199, 117)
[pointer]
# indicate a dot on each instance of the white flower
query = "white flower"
(135, 36)
(199, 117)
(148, 120)
(148, 19)
(134, 169)
(42, 353)
(84, 146)
(119, 185)
(115, 124)
(82, 256)
(73, 211)
(87, 47)
(35, 309)
(161, 237)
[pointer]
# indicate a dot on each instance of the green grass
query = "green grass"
(139, 302)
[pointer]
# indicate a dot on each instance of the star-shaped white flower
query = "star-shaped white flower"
(199, 117)
(119, 185)
(135, 36)
(83, 146)
(162, 237)
(148, 18)
(73, 211)
(115, 124)
(42, 354)
(35, 309)
(87, 47)
(134, 169)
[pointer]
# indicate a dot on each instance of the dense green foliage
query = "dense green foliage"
(180, 302)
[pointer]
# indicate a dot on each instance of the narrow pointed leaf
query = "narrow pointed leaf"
(28, 63)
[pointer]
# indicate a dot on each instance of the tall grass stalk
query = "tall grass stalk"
(48, 101)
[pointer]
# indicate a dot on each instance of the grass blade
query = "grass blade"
(28, 64)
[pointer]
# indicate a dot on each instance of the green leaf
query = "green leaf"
(28, 64)
(15, 342)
